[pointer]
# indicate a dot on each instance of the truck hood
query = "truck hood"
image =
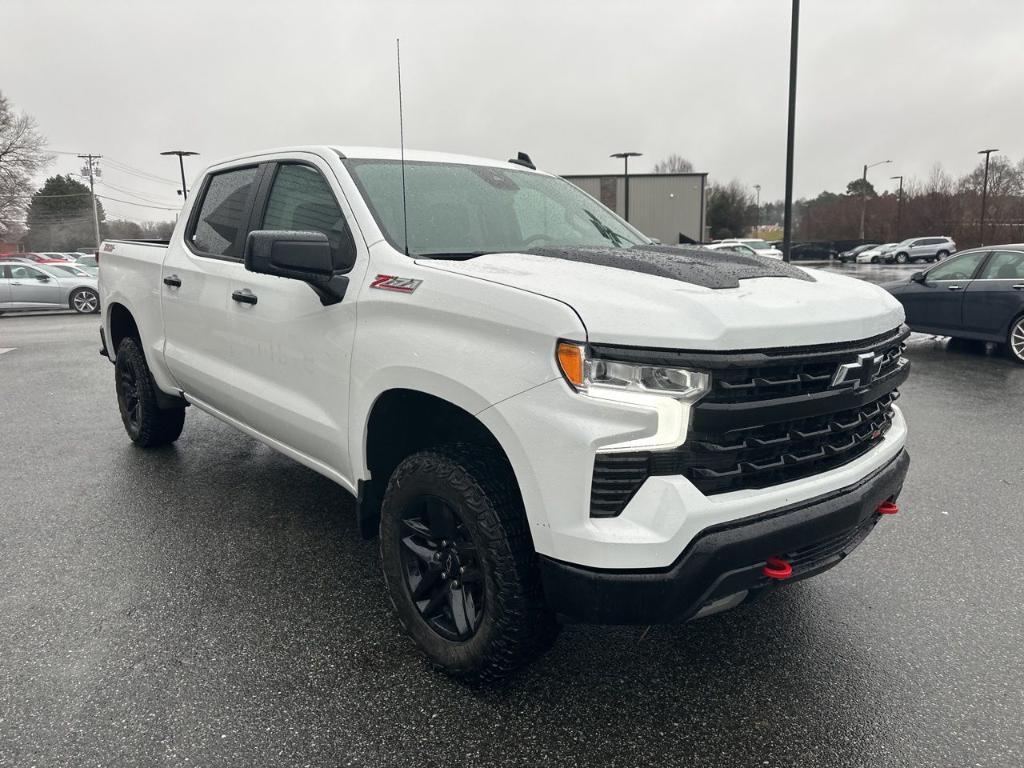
(623, 306)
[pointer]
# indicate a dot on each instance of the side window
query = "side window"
(958, 268)
(24, 273)
(301, 200)
(1004, 265)
(223, 210)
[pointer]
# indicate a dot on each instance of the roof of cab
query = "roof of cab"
(378, 153)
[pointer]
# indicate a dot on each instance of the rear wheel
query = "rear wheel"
(85, 301)
(148, 425)
(1015, 340)
(941, 255)
(459, 564)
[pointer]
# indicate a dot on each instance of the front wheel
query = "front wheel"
(874, 259)
(85, 301)
(459, 563)
(148, 425)
(902, 258)
(1015, 340)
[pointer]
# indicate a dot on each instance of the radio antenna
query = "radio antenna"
(401, 145)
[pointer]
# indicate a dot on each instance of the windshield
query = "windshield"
(469, 210)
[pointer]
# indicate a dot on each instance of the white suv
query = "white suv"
(922, 248)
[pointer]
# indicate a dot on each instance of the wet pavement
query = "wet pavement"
(212, 604)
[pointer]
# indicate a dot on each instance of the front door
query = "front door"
(31, 287)
(996, 297)
(937, 303)
(290, 354)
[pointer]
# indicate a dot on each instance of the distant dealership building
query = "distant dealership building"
(667, 206)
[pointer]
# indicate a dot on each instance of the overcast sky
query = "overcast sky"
(915, 81)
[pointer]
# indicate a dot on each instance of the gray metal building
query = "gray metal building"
(667, 206)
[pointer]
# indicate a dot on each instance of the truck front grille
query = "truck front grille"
(770, 418)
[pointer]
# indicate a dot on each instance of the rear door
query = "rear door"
(32, 287)
(290, 354)
(194, 284)
(996, 296)
(5, 288)
(937, 303)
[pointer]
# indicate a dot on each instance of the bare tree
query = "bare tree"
(22, 155)
(674, 164)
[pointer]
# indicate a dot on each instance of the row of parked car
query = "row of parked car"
(49, 280)
(911, 250)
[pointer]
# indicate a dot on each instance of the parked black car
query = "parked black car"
(820, 250)
(977, 294)
(854, 252)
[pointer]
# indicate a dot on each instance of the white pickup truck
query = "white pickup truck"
(543, 414)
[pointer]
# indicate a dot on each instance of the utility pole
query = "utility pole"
(181, 153)
(984, 192)
(92, 172)
(899, 206)
(757, 208)
(787, 217)
(625, 159)
(864, 193)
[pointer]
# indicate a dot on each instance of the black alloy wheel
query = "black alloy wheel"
(128, 395)
(441, 568)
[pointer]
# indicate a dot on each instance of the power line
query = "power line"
(140, 205)
(138, 171)
(132, 193)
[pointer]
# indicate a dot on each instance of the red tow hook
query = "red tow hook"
(777, 568)
(888, 508)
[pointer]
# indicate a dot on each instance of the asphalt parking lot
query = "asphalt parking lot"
(212, 604)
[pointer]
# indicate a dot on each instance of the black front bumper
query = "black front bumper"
(723, 565)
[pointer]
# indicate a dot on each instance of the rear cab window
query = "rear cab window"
(222, 214)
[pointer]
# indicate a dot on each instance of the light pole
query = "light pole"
(625, 160)
(899, 206)
(787, 216)
(181, 153)
(757, 208)
(984, 192)
(864, 193)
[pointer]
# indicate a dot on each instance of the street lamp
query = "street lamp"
(864, 193)
(899, 206)
(787, 210)
(625, 160)
(984, 192)
(757, 207)
(181, 153)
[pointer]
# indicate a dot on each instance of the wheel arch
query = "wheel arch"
(402, 421)
(121, 325)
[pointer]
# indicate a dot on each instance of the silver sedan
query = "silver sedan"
(26, 287)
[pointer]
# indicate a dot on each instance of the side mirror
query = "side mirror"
(917, 277)
(304, 256)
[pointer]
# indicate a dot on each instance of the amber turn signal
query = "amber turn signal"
(570, 361)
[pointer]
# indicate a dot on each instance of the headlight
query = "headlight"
(595, 374)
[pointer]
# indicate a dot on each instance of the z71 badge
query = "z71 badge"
(394, 283)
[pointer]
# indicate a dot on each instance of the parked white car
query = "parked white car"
(875, 255)
(763, 248)
(540, 411)
(743, 248)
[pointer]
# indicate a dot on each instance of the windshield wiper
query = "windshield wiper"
(454, 256)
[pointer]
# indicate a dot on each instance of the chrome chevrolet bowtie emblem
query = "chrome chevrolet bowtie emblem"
(859, 374)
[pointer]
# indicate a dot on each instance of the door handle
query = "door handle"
(173, 280)
(244, 296)
(954, 287)
(1019, 287)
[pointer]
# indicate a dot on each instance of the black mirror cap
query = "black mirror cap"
(297, 255)
(917, 277)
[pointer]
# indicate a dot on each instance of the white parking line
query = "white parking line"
(7, 349)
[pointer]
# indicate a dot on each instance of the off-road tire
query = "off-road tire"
(516, 625)
(148, 425)
(1015, 351)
